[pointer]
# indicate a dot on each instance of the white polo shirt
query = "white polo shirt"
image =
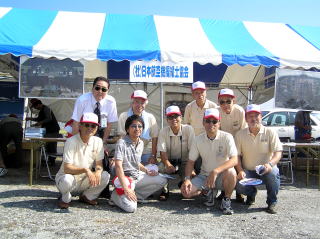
(193, 115)
(176, 146)
(213, 152)
(257, 150)
(87, 103)
(234, 121)
(80, 154)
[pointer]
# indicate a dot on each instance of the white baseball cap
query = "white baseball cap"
(226, 92)
(139, 94)
(212, 113)
(173, 110)
(89, 118)
(253, 108)
(198, 85)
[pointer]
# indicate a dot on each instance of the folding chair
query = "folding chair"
(285, 166)
(45, 156)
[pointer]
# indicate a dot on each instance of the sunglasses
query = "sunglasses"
(211, 121)
(136, 126)
(171, 117)
(87, 125)
(98, 88)
(221, 102)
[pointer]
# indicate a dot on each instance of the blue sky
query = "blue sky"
(302, 12)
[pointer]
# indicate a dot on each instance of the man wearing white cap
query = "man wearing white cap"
(194, 110)
(232, 119)
(150, 132)
(99, 102)
(258, 145)
(174, 143)
(219, 156)
(81, 153)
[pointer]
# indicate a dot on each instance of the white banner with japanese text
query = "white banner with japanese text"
(155, 71)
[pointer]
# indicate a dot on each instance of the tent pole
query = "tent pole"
(161, 103)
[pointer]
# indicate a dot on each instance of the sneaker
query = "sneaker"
(212, 193)
(251, 200)
(239, 198)
(221, 196)
(271, 208)
(3, 171)
(164, 196)
(226, 206)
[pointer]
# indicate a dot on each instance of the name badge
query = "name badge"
(104, 121)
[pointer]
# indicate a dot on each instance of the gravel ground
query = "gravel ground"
(31, 212)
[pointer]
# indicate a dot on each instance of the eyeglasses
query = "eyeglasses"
(136, 126)
(211, 121)
(87, 125)
(98, 88)
(171, 117)
(221, 102)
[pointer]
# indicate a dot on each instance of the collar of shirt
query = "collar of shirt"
(81, 142)
(261, 131)
(216, 138)
(129, 141)
(172, 134)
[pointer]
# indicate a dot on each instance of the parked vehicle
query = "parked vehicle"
(282, 120)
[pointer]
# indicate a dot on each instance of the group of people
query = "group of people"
(215, 148)
(211, 148)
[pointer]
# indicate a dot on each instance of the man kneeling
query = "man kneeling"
(81, 153)
(219, 156)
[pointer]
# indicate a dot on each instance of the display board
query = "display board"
(297, 89)
(51, 78)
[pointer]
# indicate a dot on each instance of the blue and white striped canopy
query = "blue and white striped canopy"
(89, 36)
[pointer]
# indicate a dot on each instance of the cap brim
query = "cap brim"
(173, 113)
(138, 97)
(255, 111)
(91, 122)
(226, 95)
(211, 116)
(199, 88)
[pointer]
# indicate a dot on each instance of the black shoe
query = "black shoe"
(221, 196)
(164, 196)
(106, 193)
(239, 198)
(251, 200)
(271, 208)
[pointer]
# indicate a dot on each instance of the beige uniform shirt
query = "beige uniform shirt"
(81, 155)
(213, 152)
(193, 115)
(234, 121)
(154, 130)
(257, 150)
(176, 146)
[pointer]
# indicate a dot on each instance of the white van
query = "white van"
(282, 120)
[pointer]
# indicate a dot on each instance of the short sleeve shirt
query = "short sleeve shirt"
(193, 115)
(176, 146)
(154, 130)
(80, 154)
(257, 150)
(130, 155)
(234, 121)
(213, 152)
(87, 103)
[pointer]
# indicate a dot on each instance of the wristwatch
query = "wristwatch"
(187, 178)
(271, 165)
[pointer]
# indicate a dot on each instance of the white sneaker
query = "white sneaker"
(212, 193)
(3, 171)
(226, 206)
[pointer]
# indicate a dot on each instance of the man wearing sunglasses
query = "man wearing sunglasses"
(174, 144)
(150, 132)
(258, 145)
(194, 110)
(99, 102)
(82, 152)
(232, 120)
(219, 156)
